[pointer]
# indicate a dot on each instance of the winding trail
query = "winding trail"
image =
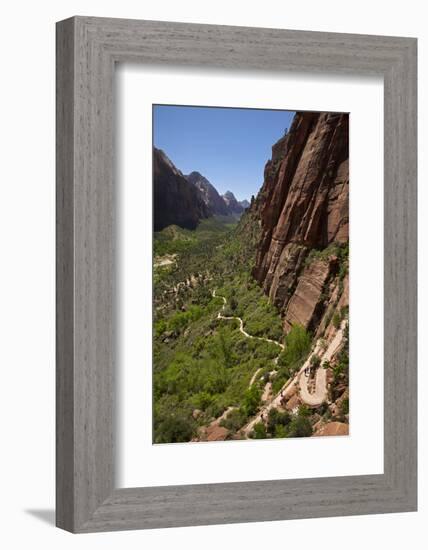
(241, 324)
(245, 333)
(312, 399)
(317, 397)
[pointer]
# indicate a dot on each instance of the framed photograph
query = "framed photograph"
(236, 274)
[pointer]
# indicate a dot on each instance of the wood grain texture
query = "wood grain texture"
(87, 49)
(64, 276)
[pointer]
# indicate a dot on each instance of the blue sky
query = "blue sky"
(229, 147)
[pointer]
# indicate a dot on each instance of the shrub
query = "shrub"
(234, 420)
(160, 327)
(297, 347)
(277, 418)
(345, 406)
(299, 427)
(251, 400)
(259, 431)
(174, 428)
(304, 411)
(315, 361)
(280, 379)
(336, 320)
(224, 349)
(181, 319)
(201, 400)
(280, 431)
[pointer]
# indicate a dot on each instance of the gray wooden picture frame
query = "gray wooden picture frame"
(87, 50)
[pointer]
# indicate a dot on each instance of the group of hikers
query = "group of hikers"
(307, 372)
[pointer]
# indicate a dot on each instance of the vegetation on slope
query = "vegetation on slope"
(202, 363)
(204, 366)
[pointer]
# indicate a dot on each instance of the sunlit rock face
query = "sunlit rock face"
(233, 205)
(303, 206)
(209, 193)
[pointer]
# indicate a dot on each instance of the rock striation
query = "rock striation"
(209, 193)
(302, 209)
(176, 201)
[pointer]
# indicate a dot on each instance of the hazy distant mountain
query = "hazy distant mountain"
(245, 204)
(233, 205)
(175, 200)
(210, 195)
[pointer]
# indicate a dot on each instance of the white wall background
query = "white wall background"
(27, 271)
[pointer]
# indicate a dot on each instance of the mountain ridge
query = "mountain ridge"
(175, 200)
(185, 200)
(211, 196)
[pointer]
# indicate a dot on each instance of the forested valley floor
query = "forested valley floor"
(221, 360)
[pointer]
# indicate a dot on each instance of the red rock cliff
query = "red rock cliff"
(302, 206)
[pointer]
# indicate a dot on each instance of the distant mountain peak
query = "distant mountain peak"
(196, 175)
(160, 153)
(232, 203)
(209, 194)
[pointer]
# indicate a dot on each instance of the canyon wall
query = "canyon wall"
(302, 210)
(175, 200)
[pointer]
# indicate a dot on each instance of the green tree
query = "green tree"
(299, 427)
(277, 418)
(259, 431)
(224, 349)
(297, 346)
(315, 361)
(173, 428)
(251, 400)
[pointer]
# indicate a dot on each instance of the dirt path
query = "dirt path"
(241, 324)
(312, 399)
(317, 397)
(253, 378)
(245, 333)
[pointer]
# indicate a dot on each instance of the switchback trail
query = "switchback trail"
(300, 379)
(312, 399)
(245, 333)
(319, 395)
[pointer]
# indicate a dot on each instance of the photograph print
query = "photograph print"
(250, 274)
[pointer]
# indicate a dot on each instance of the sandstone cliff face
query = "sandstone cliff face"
(303, 207)
(175, 200)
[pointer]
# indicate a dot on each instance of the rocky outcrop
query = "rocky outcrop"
(332, 428)
(303, 206)
(301, 307)
(233, 205)
(175, 200)
(209, 193)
